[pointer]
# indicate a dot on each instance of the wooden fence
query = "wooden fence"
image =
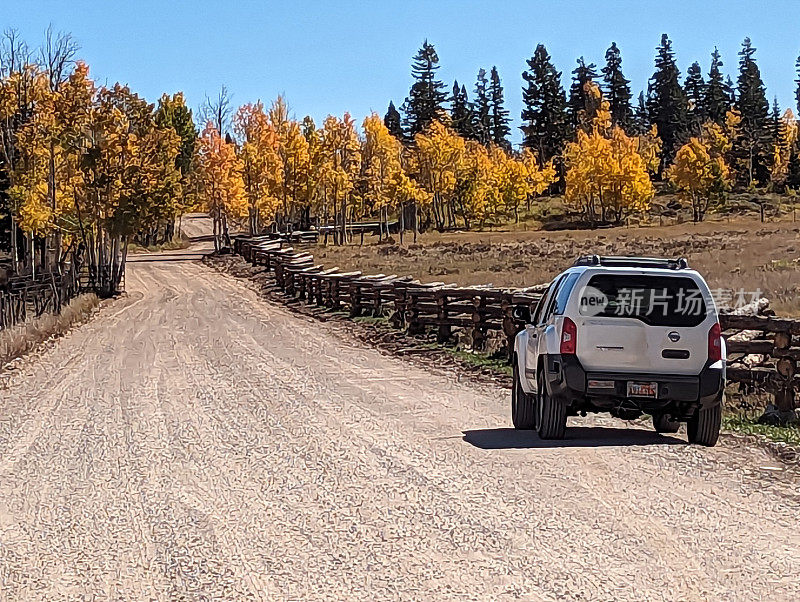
(26, 296)
(763, 351)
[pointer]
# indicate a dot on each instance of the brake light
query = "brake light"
(715, 343)
(569, 337)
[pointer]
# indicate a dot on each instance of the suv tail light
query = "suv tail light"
(569, 337)
(715, 343)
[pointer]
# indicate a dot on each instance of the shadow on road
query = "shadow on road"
(577, 436)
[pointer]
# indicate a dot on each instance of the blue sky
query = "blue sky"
(331, 57)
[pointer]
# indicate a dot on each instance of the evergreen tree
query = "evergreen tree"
(393, 122)
(752, 146)
(666, 102)
(797, 83)
(544, 116)
(425, 100)
(482, 121)
(499, 114)
(730, 90)
(695, 90)
(775, 119)
(617, 88)
(793, 171)
(716, 101)
(461, 112)
(641, 119)
(578, 101)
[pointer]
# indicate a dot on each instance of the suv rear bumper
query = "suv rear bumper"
(567, 379)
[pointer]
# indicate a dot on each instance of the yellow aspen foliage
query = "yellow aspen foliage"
(221, 187)
(629, 188)
(699, 176)
(784, 143)
(262, 165)
(606, 173)
(440, 152)
(597, 114)
(341, 163)
(313, 188)
(606, 176)
(381, 165)
(30, 192)
(475, 183)
(293, 152)
(539, 177)
(719, 137)
(648, 145)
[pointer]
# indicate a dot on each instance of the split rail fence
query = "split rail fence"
(763, 350)
(22, 297)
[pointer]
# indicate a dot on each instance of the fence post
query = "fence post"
(355, 299)
(398, 318)
(444, 332)
(787, 368)
(377, 299)
(510, 328)
(412, 315)
(479, 323)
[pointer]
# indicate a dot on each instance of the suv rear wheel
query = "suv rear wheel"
(552, 412)
(703, 427)
(523, 410)
(663, 424)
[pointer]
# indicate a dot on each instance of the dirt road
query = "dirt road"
(194, 442)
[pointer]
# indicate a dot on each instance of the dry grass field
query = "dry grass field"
(732, 253)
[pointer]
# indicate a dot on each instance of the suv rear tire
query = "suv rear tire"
(552, 412)
(703, 427)
(523, 410)
(663, 424)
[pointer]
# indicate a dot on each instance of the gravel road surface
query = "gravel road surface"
(194, 442)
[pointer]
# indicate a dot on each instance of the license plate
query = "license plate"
(636, 389)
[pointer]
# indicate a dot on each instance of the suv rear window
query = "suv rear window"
(655, 300)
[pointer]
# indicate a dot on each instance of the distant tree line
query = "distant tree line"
(679, 108)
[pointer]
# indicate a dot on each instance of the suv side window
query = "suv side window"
(549, 302)
(537, 314)
(562, 296)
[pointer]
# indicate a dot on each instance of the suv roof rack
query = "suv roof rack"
(679, 263)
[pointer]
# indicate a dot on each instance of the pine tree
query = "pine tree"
(716, 101)
(617, 89)
(545, 126)
(793, 172)
(641, 119)
(695, 90)
(393, 122)
(482, 123)
(461, 112)
(797, 83)
(578, 100)
(666, 103)
(425, 100)
(499, 114)
(775, 119)
(752, 146)
(730, 90)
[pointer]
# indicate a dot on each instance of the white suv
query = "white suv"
(625, 335)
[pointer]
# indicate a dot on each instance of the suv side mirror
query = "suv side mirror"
(521, 313)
